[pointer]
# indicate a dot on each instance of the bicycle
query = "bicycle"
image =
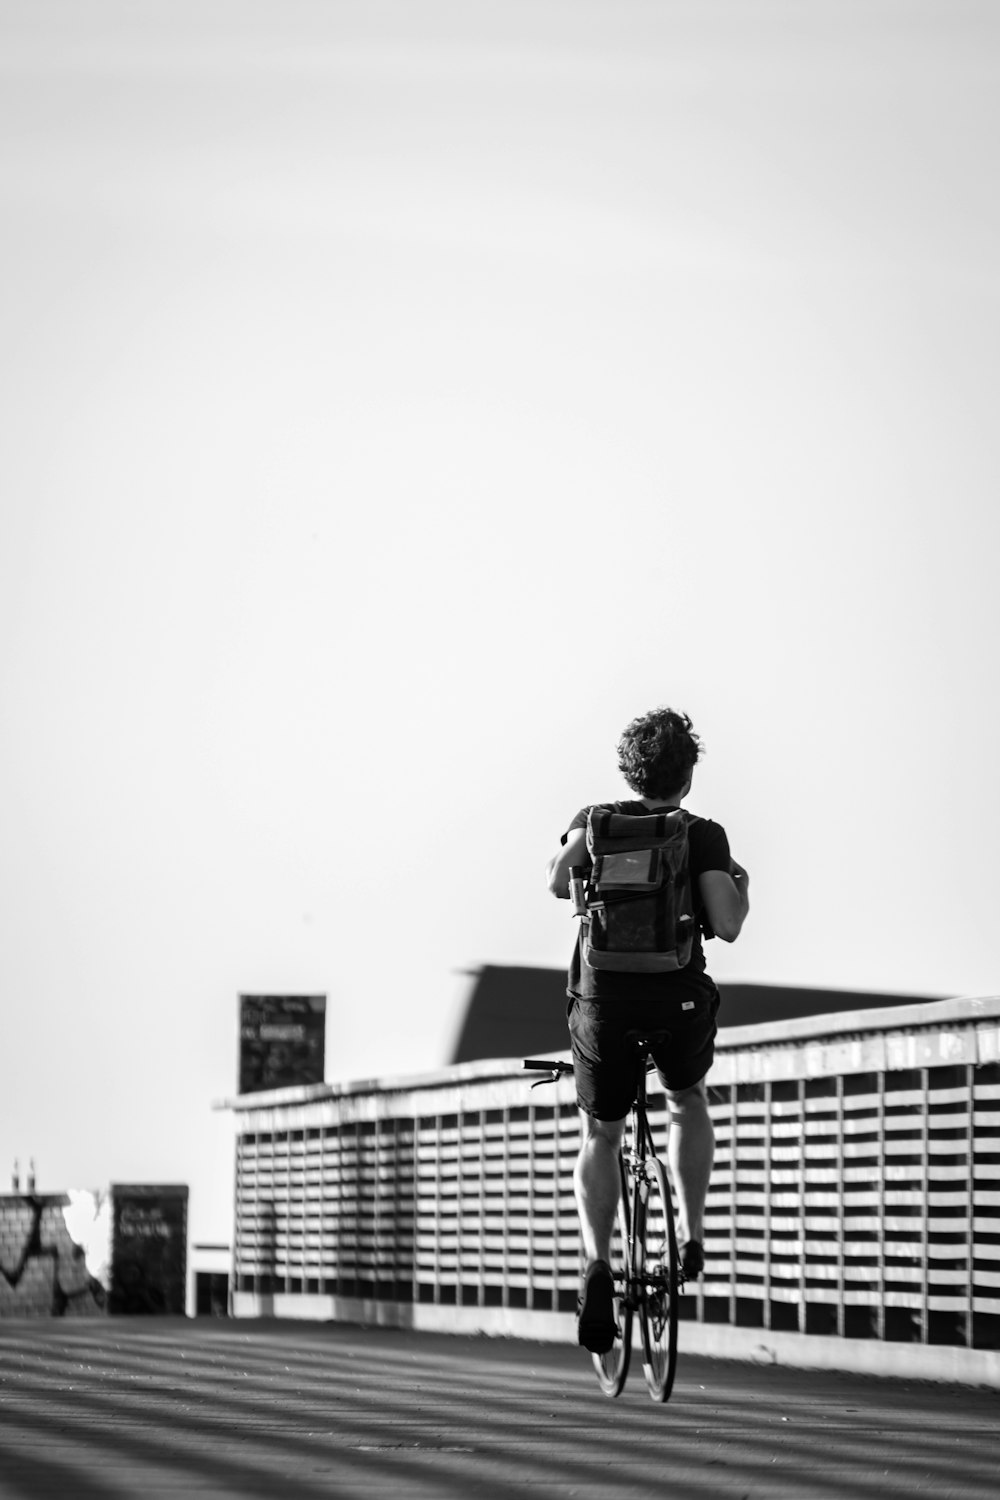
(644, 1260)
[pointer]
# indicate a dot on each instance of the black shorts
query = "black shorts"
(606, 1068)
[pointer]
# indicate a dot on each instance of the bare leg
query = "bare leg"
(598, 1183)
(690, 1152)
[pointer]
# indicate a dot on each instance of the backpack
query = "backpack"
(640, 915)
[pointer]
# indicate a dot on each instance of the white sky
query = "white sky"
(400, 397)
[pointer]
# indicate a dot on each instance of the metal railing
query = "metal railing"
(856, 1190)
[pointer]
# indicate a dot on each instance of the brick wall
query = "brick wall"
(43, 1272)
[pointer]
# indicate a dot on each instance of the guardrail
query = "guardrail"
(854, 1207)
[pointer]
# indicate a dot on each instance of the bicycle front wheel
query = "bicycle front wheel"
(612, 1368)
(658, 1281)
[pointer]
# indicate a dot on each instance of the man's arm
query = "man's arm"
(573, 852)
(727, 900)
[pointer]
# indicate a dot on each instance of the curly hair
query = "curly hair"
(658, 752)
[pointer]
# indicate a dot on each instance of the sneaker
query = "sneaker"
(596, 1326)
(692, 1259)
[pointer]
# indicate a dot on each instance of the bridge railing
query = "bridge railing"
(855, 1195)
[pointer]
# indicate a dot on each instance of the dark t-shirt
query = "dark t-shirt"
(708, 849)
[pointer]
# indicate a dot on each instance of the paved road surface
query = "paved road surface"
(144, 1408)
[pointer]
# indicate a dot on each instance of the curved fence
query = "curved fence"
(855, 1201)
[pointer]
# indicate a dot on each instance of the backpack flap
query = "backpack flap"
(629, 871)
(640, 917)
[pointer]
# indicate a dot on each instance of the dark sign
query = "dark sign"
(148, 1249)
(282, 1041)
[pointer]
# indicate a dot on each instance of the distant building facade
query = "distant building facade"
(86, 1254)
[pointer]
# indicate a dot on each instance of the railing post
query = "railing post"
(841, 1197)
(970, 1200)
(880, 1243)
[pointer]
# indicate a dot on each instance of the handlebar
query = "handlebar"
(552, 1068)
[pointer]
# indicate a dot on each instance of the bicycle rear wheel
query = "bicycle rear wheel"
(658, 1282)
(612, 1368)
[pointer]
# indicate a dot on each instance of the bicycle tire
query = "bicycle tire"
(659, 1281)
(612, 1368)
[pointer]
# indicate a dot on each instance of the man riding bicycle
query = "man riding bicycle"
(656, 755)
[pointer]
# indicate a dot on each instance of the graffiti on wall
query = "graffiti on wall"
(43, 1268)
